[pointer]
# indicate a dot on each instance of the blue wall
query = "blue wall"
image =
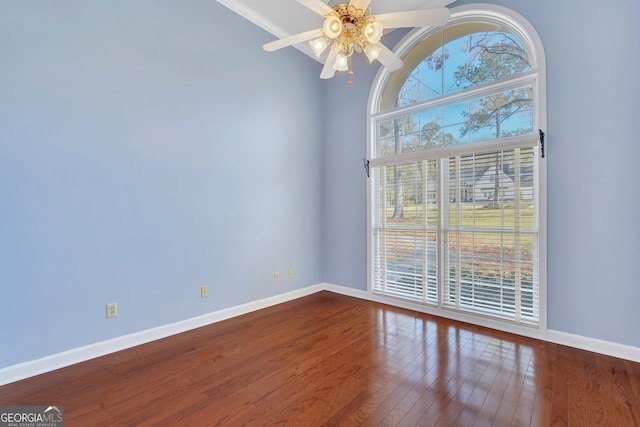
(344, 226)
(593, 64)
(593, 148)
(144, 153)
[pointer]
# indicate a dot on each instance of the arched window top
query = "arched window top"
(480, 45)
(476, 79)
(469, 54)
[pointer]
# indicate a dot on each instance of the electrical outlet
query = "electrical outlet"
(204, 291)
(291, 273)
(276, 276)
(112, 310)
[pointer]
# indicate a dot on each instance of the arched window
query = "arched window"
(457, 175)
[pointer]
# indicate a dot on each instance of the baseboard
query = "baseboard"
(81, 354)
(609, 348)
(60, 360)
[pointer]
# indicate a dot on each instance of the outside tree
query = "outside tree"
(494, 56)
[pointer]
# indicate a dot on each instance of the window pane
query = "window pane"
(502, 114)
(456, 58)
(404, 231)
(490, 234)
(413, 132)
(481, 57)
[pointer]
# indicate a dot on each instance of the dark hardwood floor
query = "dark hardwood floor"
(328, 359)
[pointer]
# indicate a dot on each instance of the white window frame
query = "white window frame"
(522, 28)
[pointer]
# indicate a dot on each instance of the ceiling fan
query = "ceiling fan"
(353, 29)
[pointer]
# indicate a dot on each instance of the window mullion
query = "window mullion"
(516, 237)
(444, 272)
(383, 229)
(458, 237)
(425, 227)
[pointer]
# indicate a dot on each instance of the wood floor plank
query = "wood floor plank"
(633, 371)
(391, 374)
(391, 384)
(594, 402)
(476, 383)
(560, 402)
(618, 389)
(450, 382)
(610, 405)
(526, 398)
(428, 397)
(546, 367)
(333, 360)
(509, 403)
(461, 380)
(459, 388)
(577, 392)
(500, 372)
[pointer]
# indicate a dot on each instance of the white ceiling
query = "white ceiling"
(283, 18)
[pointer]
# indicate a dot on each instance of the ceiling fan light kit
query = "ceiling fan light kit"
(373, 31)
(353, 29)
(319, 45)
(342, 63)
(372, 52)
(332, 26)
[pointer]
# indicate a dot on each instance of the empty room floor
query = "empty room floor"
(329, 359)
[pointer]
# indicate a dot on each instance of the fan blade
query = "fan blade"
(360, 4)
(414, 18)
(294, 39)
(317, 6)
(388, 58)
(328, 71)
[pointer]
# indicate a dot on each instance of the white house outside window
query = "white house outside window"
(456, 192)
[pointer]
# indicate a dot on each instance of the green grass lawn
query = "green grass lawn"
(491, 226)
(471, 215)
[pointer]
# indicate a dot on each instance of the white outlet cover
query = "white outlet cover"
(112, 310)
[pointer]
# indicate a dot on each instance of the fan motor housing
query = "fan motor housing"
(349, 14)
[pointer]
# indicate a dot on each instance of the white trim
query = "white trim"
(595, 345)
(481, 147)
(258, 19)
(254, 17)
(81, 354)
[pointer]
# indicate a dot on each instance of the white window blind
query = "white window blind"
(490, 234)
(459, 232)
(405, 231)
